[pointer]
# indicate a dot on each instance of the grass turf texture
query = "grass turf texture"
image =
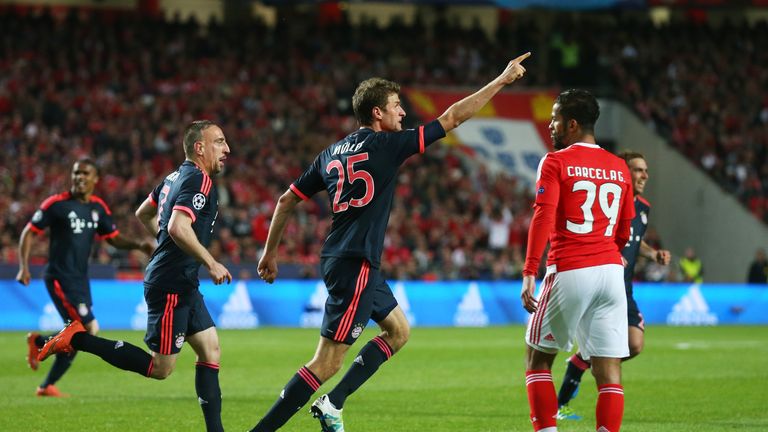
(687, 379)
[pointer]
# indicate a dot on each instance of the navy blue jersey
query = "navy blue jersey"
(632, 249)
(360, 175)
(74, 224)
(188, 189)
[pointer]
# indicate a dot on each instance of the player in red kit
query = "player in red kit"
(584, 207)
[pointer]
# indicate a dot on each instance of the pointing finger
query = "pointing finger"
(522, 57)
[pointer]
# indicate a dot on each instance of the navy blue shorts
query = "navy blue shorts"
(357, 293)
(634, 317)
(172, 317)
(72, 298)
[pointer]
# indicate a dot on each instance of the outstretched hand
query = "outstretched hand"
(514, 70)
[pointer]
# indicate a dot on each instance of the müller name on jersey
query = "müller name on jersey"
(594, 173)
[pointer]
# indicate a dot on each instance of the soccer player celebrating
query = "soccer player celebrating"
(181, 211)
(75, 217)
(584, 207)
(360, 174)
(638, 169)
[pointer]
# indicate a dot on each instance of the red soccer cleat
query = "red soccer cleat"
(50, 391)
(60, 342)
(32, 350)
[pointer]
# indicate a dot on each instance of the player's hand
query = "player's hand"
(23, 276)
(514, 70)
(624, 261)
(219, 273)
(526, 294)
(663, 257)
(268, 268)
(148, 247)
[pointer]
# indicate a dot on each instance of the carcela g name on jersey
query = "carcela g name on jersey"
(594, 173)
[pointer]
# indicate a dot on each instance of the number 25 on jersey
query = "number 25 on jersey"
(350, 178)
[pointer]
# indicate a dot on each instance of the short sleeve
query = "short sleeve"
(40, 220)
(193, 195)
(106, 226)
(154, 196)
(548, 181)
(310, 182)
(407, 143)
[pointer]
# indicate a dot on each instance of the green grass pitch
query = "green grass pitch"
(687, 379)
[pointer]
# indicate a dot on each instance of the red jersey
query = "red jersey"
(584, 205)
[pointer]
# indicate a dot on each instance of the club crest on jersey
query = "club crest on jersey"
(357, 331)
(179, 341)
(644, 218)
(94, 216)
(198, 201)
(37, 217)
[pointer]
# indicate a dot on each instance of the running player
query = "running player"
(360, 174)
(181, 211)
(76, 218)
(584, 208)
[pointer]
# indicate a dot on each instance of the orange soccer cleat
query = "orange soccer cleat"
(50, 391)
(60, 343)
(32, 350)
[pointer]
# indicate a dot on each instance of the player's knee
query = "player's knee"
(161, 371)
(635, 348)
(212, 354)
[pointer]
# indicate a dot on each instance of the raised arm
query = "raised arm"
(464, 109)
(286, 205)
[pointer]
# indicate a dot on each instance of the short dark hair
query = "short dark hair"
(371, 93)
(579, 105)
(628, 155)
(88, 161)
(194, 133)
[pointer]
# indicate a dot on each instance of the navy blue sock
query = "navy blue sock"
(573, 373)
(209, 394)
(117, 353)
(61, 364)
(294, 396)
(367, 362)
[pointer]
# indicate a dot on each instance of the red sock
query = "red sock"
(610, 407)
(541, 398)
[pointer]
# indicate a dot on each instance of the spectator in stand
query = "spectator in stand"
(691, 267)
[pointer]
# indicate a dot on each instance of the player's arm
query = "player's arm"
(661, 256)
(121, 242)
(25, 246)
(462, 110)
(286, 205)
(147, 214)
(181, 231)
(542, 224)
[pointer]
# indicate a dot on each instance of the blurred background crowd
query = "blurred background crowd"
(120, 88)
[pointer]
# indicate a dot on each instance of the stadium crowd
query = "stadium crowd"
(120, 88)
